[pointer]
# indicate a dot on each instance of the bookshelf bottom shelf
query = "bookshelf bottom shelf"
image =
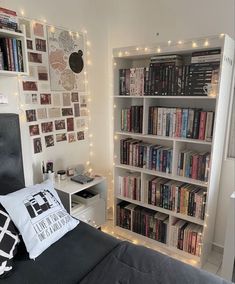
(156, 245)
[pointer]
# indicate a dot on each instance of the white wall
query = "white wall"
(112, 23)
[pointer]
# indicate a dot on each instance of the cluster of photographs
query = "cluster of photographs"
(52, 116)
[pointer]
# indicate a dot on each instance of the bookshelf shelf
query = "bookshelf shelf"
(125, 105)
(22, 37)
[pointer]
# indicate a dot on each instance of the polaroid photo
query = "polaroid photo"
(47, 127)
(37, 145)
(59, 124)
(56, 99)
(66, 99)
(81, 123)
(34, 130)
(35, 57)
(29, 44)
(45, 99)
(61, 137)
(71, 137)
(67, 111)
(54, 112)
(70, 124)
(74, 97)
(83, 111)
(38, 29)
(42, 73)
(31, 99)
(29, 86)
(31, 115)
(49, 141)
(80, 135)
(40, 44)
(42, 113)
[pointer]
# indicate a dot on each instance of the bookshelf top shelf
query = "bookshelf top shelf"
(167, 97)
(179, 47)
(12, 34)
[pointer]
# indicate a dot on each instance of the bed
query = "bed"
(84, 255)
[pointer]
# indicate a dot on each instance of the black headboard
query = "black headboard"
(11, 163)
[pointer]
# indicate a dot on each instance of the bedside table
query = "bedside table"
(93, 213)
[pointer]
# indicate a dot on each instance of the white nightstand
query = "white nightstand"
(93, 214)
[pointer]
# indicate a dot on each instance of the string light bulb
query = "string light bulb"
(206, 43)
(194, 44)
(180, 42)
(169, 42)
(159, 50)
(22, 12)
(88, 43)
(137, 49)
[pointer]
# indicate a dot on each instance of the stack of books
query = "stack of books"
(11, 56)
(194, 165)
(181, 122)
(177, 196)
(186, 236)
(124, 210)
(130, 186)
(136, 153)
(173, 75)
(132, 119)
(8, 19)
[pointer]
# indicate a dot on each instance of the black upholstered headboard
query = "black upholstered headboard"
(11, 163)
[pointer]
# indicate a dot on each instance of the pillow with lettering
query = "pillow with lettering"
(39, 215)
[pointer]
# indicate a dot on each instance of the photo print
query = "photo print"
(49, 141)
(38, 29)
(45, 99)
(84, 112)
(80, 135)
(70, 124)
(74, 97)
(37, 145)
(61, 137)
(40, 44)
(31, 115)
(83, 100)
(66, 99)
(29, 44)
(54, 112)
(56, 99)
(42, 113)
(59, 124)
(76, 110)
(35, 57)
(71, 137)
(47, 127)
(81, 123)
(29, 86)
(42, 73)
(34, 130)
(67, 111)
(31, 99)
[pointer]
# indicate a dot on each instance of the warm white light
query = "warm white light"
(180, 42)
(145, 49)
(77, 35)
(206, 43)
(91, 153)
(70, 33)
(22, 12)
(115, 137)
(91, 135)
(44, 21)
(194, 44)
(159, 50)
(85, 31)
(88, 52)
(137, 49)
(169, 42)
(88, 43)
(115, 63)
(126, 52)
(15, 94)
(114, 106)
(88, 163)
(119, 53)
(52, 29)
(89, 62)
(221, 35)
(91, 144)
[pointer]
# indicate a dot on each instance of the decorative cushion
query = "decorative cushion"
(8, 242)
(39, 215)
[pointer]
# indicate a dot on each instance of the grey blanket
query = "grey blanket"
(130, 264)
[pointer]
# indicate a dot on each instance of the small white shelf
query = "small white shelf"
(157, 137)
(11, 34)
(162, 210)
(167, 97)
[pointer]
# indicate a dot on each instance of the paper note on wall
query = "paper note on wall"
(3, 99)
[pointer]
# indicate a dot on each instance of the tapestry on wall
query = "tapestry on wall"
(65, 60)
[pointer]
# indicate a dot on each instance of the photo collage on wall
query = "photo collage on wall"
(54, 93)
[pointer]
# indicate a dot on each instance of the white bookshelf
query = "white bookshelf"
(22, 37)
(137, 56)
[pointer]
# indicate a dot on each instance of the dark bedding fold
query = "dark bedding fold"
(130, 264)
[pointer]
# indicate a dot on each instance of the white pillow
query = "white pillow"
(39, 215)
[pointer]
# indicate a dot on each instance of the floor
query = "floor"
(214, 261)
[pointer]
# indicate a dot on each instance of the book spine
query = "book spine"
(202, 125)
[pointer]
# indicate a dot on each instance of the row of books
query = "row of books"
(132, 119)
(194, 165)
(186, 236)
(11, 55)
(8, 19)
(130, 186)
(145, 155)
(143, 221)
(176, 196)
(181, 122)
(169, 75)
